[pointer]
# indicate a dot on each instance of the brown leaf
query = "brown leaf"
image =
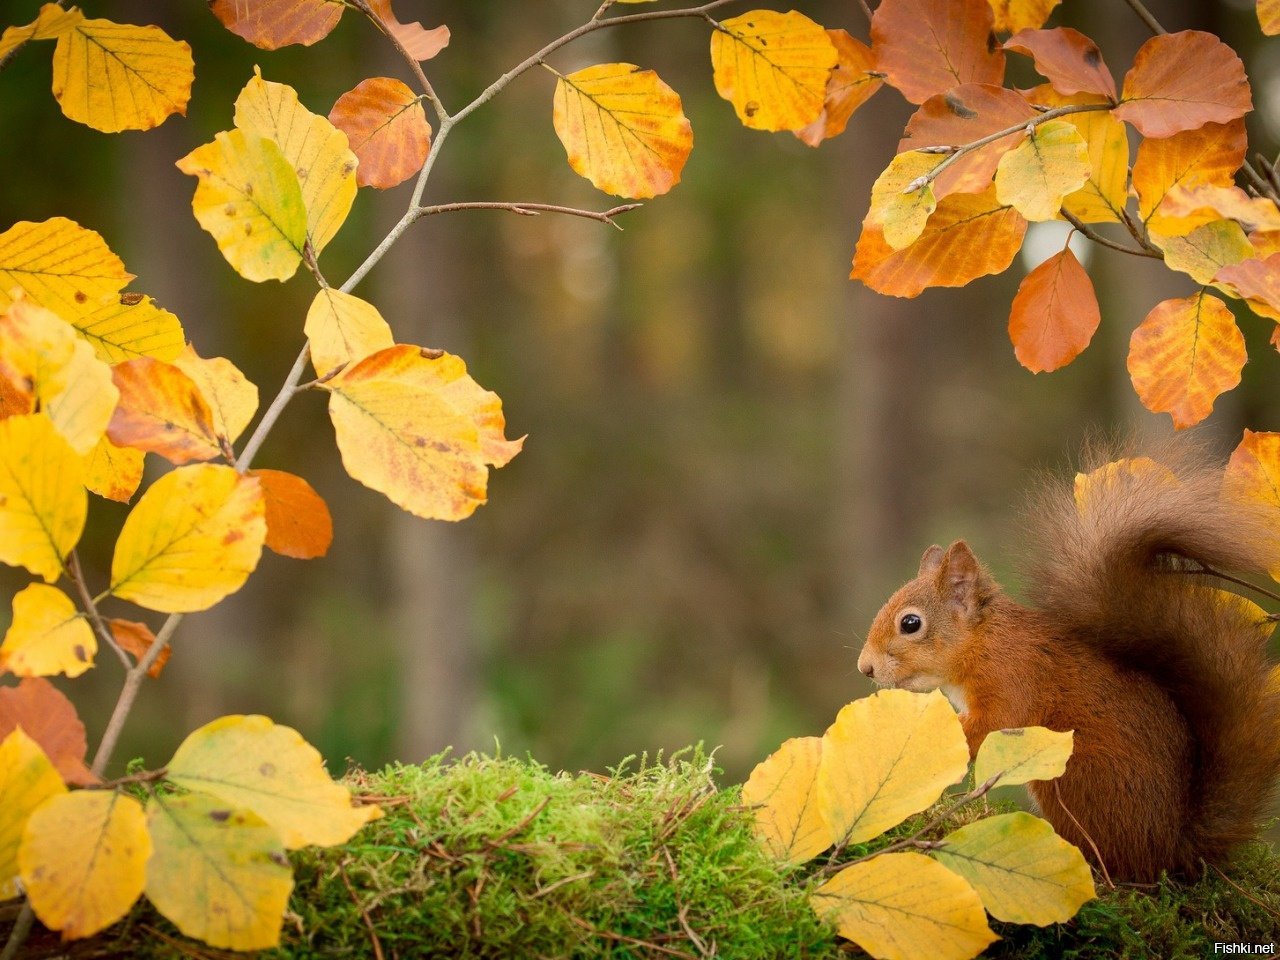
(298, 521)
(388, 130)
(162, 411)
(50, 720)
(1069, 60)
(1181, 81)
(137, 638)
(421, 43)
(961, 116)
(929, 46)
(850, 86)
(1054, 314)
(272, 24)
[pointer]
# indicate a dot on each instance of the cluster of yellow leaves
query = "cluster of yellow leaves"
(884, 759)
(211, 856)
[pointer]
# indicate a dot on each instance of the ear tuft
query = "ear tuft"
(931, 562)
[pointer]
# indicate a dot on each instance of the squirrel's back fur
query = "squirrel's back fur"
(1115, 573)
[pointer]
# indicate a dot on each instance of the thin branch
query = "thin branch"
(414, 65)
(1087, 231)
(146, 776)
(18, 935)
(1204, 568)
(533, 210)
(1139, 233)
(76, 574)
(1145, 16)
(1264, 186)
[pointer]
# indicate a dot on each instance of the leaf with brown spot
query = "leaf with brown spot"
(47, 635)
(850, 85)
(1185, 354)
(60, 265)
(1054, 314)
(388, 130)
(130, 326)
(927, 47)
(1181, 81)
(272, 24)
(419, 42)
(163, 411)
(298, 521)
(1069, 60)
(48, 718)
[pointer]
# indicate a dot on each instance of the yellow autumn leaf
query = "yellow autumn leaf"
(27, 780)
(1022, 870)
(193, 538)
(414, 426)
(773, 67)
(59, 265)
(117, 76)
(83, 860)
(250, 202)
(71, 385)
(900, 214)
(50, 23)
(318, 151)
(1104, 195)
(232, 399)
(47, 635)
(113, 472)
(1022, 754)
(130, 326)
(219, 875)
(886, 757)
(622, 128)
(342, 329)
(1014, 15)
(251, 762)
(905, 906)
(1204, 251)
(782, 788)
(1037, 175)
(42, 500)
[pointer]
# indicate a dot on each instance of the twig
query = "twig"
(76, 574)
(364, 914)
(1204, 568)
(1087, 231)
(634, 941)
(1244, 893)
(519, 827)
(533, 209)
(414, 65)
(1102, 864)
(18, 935)
(1139, 234)
(1145, 16)
(146, 776)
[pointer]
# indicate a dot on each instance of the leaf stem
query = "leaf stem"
(533, 210)
(1145, 16)
(76, 574)
(414, 65)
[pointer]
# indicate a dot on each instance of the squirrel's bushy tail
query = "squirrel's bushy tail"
(1115, 567)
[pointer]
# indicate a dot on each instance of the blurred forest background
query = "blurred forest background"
(734, 451)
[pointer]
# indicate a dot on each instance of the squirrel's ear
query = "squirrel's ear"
(962, 580)
(931, 561)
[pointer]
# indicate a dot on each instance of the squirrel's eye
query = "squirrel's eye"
(910, 623)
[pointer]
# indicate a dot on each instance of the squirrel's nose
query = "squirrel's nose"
(868, 669)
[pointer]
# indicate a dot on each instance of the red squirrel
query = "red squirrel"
(1162, 676)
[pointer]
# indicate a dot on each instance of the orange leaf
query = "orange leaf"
(968, 236)
(50, 720)
(929, 46)
(961, 116)
(1054, 314)
(1269, 16)
(113, 472)
(419, 42)
(1068, 59)
(1211, 154)
(1185, 354)
(1258, 281)
(162, 411)
(849, 87)
(388, 130)
(272, 24)
(137, 638)
(16, 396)
(1015, 15)
(1253, 472)
(1181, 81)
(1185, 208)
(298, 521)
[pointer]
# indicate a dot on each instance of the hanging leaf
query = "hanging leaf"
(251, 763)
(1258, 281)
(850, 85)
(47, 635)
(1181, 81)
(1203, 252)
(60, 265)
(193, 538)
(926, 47)
(1106, 193)
(27, 780)
(232, 399)
(113, 472)
(783, 789)
(905, 906)
(50, 23)
(419, 42)
(1014, 15)
(412, 425)
(162, 411)
(886, 757)
(1054, 314)
(250, 202)
(342, 329)
(48, 718)
(968, 236)
(219, 875)
(317, 149)
(1183, 355)
(387, 128)
(137, 638)
(964, 115)
(1069, 60)
(116, 76)
(42, 500)
(83, 860)
(623, 129)
(900, 204)
(1027, 753)
(272, 24)
(1210, 155)
(1022, 870)
(298, 521)
(773, 67)
(1038, 174)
